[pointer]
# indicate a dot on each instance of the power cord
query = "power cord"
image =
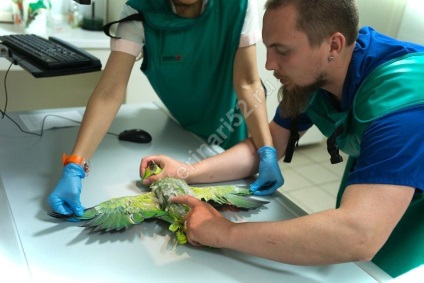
(5, 91)
(4, 114)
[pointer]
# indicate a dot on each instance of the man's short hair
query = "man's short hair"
(319, 19)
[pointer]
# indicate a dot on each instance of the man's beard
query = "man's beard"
(294, 101)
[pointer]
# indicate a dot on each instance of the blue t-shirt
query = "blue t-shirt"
(392, 150)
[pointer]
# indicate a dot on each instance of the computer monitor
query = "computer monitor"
(83, 2)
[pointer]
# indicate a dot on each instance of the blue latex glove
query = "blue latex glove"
(65, 198)
(270, 177)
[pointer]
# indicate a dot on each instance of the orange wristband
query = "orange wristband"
(77, 160)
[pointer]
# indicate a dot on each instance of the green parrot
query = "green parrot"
(123, 212)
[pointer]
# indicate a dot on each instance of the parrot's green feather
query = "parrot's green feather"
(98, 220)
(166, 218)
(122, 213)
(137, 218)
(112, 223)
(181, 237)
(228, 195)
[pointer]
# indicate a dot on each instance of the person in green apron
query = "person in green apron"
(200, 58)
(365, 92)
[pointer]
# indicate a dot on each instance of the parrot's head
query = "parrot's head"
(152, 169)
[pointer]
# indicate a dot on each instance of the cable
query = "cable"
(5, 91)
(4, 114)
(43, 122)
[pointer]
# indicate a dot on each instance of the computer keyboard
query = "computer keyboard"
(51, 53)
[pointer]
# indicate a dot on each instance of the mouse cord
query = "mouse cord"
(4, 114)
(5, 91)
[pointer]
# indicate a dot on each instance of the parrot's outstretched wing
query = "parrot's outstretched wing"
(120, 213)
(228, 195)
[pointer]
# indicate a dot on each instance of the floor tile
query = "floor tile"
(317, 174)
(311, 181)
(316, 154)
(337, 169)
(330, 188)
(297, 160)
(312, 199)
(293, 181)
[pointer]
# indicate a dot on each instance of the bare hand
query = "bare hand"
(170, 168)
(204, 225)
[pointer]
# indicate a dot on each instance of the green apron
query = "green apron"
(189, 63)
(395, 85)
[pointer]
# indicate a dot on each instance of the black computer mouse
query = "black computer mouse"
(135, 135)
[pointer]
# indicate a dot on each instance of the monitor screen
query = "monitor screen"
(83, 2)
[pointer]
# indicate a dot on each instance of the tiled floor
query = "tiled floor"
(311, 181)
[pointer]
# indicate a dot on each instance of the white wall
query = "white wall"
(114, 9)
(383, 15)
(411, 27)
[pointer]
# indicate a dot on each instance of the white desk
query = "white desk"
(37, 248)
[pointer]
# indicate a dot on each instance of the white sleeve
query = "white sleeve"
(131, 34)
(250, 33)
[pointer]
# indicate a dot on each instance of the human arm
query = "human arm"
(238, 162)
(99, 114)
(213, 169)
(247, 83)
(104, 103)
(251, 95)
(252, 102)
(355, 231)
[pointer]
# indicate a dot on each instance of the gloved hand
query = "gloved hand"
(65, 198)
(270, 177)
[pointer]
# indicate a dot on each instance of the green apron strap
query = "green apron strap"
(134, 17)
(293, 140)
